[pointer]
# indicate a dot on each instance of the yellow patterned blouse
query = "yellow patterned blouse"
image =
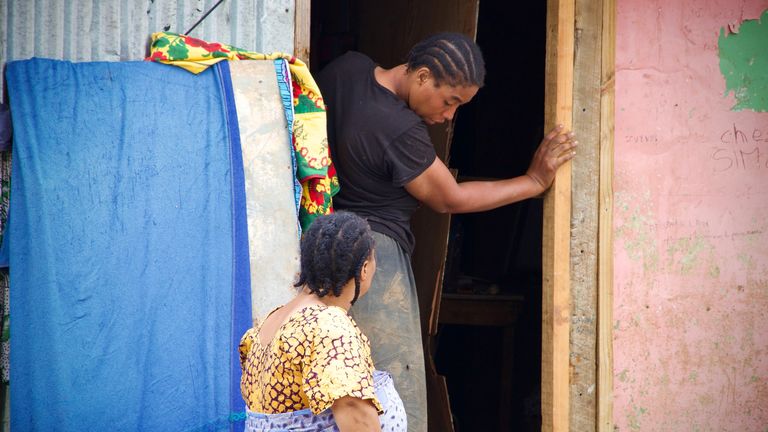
(317, 356)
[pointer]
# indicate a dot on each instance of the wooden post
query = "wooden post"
(605, 232)
(302, 29)
(587, 84)
(555, 397)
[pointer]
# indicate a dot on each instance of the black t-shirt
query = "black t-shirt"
(377, 144)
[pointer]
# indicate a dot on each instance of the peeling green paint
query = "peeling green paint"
(684, 254)
(635, 416)
(744, 64)
(693, 376)
(714, 271)
(623, 375)
(638, 231)
(754, 237)
(706, 399)
(664, 380)
(746, 260)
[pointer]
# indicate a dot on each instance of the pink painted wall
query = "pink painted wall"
(691, 226)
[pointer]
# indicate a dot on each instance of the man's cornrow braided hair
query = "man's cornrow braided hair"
(452, 58)
(333, 251)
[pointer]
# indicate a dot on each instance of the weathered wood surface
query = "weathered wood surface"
(605, 232)
(555, 392)
(584, 219)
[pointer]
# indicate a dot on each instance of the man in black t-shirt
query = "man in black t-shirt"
(387, 165)
(378, 145)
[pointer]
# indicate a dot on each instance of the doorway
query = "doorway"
(494, 258)
(487, 338)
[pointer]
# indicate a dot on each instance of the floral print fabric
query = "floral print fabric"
(318, 356)
(5, 327)
(393, 419)
(314, 169)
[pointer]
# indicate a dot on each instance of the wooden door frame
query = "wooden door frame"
(605, 219)
(302, 29)
(577, 271)
(556, 234)
(561, 411)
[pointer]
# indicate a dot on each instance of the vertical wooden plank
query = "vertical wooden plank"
(302, 29)
(557, 221)
(584, 208)
(605, 231)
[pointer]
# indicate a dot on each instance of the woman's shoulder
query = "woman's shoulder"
(335, 322)
(319, 317)
(250, 335)
(333, 315)
(319, 321)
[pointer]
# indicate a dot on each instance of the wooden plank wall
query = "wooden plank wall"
(558, 97)
(301, 30)
(584, 219)
(605, 231)
(591, 223)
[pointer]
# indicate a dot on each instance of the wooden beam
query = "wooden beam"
(605, 231)
(302, 29)
(557, 222)
(584, 209)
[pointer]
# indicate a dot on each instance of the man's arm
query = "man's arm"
(437, 188)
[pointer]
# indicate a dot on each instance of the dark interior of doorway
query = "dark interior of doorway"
(494, 255)
(498, 253)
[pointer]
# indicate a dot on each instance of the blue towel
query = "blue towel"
(129, 285)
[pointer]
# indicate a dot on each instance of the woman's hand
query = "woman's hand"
(355, 415)
(555, 149)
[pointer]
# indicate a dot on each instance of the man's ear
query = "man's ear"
(423, 74)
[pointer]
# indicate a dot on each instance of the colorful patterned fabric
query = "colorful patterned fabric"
(5, 330)
(315, 170)
(5, 327)
(393, 419)
(319, 355)
(286, 95)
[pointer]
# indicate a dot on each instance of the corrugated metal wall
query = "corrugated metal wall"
(119, 30)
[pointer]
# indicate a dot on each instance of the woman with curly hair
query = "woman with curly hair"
(307, 366)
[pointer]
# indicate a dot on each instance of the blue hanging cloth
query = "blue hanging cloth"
(127, 247)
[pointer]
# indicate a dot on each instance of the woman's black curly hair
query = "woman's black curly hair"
(333, 251)
(452, 58)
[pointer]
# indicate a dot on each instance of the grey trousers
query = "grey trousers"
(389, 315)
